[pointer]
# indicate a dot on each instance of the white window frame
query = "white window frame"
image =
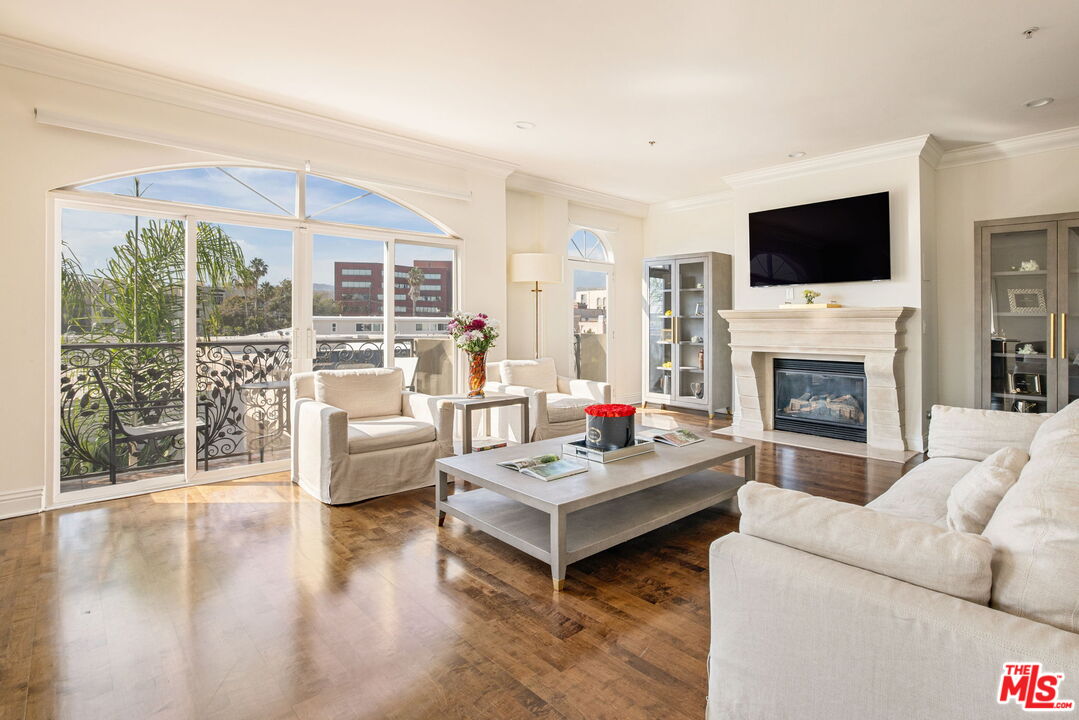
(303, 335)
(607, 267)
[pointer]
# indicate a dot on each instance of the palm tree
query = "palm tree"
(415, 279)
(257, 269)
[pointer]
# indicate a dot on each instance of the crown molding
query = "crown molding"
(64, 65)
(694, 202)
(1063, 139)
(906, 148)
(530, 183)
(932, 151)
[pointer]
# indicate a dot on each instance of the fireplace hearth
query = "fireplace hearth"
(820, 397)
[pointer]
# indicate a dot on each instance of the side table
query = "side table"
(491, 400)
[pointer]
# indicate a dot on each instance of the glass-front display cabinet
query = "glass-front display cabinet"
(1027, 293)
(687, 350)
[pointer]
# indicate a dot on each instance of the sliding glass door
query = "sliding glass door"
(121, 356)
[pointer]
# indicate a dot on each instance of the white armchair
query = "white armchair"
(556, 403)
(358, 434)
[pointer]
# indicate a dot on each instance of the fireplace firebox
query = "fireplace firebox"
(820, 397)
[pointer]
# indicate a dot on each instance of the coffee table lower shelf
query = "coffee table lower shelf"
(595, 528)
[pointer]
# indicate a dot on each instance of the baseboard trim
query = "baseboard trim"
(26, 501)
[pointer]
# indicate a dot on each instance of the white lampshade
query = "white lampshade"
(536, 267)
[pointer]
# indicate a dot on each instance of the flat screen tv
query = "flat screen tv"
(845, 240)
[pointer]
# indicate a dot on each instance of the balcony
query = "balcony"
(242, 399)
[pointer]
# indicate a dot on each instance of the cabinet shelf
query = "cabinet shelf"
(693, 287)
(1020, 396)
(1042, 381)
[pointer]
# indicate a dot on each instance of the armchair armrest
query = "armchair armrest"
(321, 431)
(431, 409)
(598, 391)
(851, 643)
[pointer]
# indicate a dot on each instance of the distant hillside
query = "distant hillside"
(322, 288)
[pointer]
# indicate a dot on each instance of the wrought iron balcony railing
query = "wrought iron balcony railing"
(146, 375)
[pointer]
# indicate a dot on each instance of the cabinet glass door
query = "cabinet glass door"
(1068, 312)
(1021, 293)
(661, 325)
(690, 333)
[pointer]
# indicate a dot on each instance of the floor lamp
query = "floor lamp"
(536, 268)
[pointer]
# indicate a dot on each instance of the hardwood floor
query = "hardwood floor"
(248, 599)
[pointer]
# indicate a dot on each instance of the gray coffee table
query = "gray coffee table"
(563, 521)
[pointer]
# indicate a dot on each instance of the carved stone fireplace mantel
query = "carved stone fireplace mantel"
(874, 336)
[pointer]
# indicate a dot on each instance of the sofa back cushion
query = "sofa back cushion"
(975, 497)
(363, 393)
(1035, 530)
(915, 552)
(976, 434)
(539, 374)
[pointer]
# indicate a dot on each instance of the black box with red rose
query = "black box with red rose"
(609, 427)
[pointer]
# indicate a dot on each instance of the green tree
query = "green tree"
(415, 279)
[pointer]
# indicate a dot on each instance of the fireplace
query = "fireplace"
(820, 397)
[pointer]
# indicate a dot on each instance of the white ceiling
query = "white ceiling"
(722, 87)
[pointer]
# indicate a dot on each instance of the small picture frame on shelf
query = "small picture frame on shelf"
(1027, 301)
(666, 335)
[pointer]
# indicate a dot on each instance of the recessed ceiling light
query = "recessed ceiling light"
(797, 154)
(1040, 102)
(524, 125)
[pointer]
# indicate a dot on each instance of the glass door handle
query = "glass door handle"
(1063, 336)
(1052, 336)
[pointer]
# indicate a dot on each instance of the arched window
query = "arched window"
(586, 245)
(269, 191)
(590, 286)
(188, 296)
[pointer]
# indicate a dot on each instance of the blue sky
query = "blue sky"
(90, 236)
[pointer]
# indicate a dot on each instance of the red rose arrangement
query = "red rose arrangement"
(611, 410)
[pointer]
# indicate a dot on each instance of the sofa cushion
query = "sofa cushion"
(977, 434)
(974, 498)
(363, 393)
(922, 494)
(1035, 530)
(566, 408)
(383, 433)
(957, 564)
(540, 374)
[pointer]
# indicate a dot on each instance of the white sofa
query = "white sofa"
(358, 434)
(821, 609)
(556, 403)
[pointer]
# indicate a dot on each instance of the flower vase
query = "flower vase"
(477, 374)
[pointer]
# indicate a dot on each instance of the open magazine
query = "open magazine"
(545, 467)
(677, 437)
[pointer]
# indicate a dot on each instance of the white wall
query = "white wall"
(724, 227)
(38, 159)
(542, 223)
(1037, 184)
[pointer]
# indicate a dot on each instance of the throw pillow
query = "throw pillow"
(539, 374)
(974, 498)
(371, 392)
